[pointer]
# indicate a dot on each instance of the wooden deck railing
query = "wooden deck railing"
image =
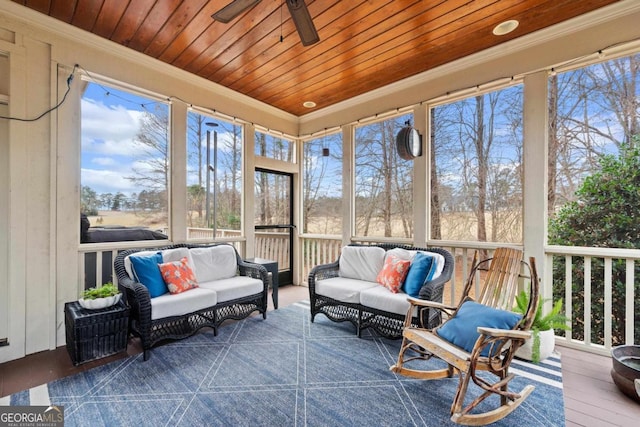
(598, 284)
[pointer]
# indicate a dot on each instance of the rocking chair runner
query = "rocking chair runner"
(480, 334)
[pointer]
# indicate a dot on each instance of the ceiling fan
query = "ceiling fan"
(297, 9)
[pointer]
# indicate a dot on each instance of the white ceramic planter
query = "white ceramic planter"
(94, 304)
(547, 344)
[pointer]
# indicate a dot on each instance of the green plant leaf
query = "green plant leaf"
(104, 291)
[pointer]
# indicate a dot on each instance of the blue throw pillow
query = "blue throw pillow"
(422, 268)
(462, 330)
(146, 271)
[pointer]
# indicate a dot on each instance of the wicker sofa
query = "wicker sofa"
(228, 288)
(351, 293)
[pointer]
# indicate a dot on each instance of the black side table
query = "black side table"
(272, 267)
(92, 334)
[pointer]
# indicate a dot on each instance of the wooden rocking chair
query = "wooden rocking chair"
(482, 334)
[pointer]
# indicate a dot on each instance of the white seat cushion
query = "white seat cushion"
(343, 289)
(361, 262)
(169, 305)
(382, 298)
(214, 263)
(235, 287)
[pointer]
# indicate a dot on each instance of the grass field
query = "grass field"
(129, 219)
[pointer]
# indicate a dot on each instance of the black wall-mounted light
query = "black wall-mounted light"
(409, 142)
(325, 147)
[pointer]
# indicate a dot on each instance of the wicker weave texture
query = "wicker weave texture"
(92, 334)
(385, 323)
(152, 332)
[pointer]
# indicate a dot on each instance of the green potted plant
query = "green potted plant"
(100, 297)
(542, 342)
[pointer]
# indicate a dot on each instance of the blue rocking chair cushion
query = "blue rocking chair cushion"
(462, 330)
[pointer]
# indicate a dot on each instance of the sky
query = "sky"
(110, 123)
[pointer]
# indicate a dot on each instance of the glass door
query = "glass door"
(274, 220)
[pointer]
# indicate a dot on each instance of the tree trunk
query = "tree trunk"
(436, 227)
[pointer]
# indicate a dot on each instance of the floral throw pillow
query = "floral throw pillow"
(178, 276)
(393, 273)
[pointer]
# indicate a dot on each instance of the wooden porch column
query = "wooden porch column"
(248, 190)
(348, 192)
(535, 152)
(421, 181)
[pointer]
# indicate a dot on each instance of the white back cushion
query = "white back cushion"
(214, 263)
(127, 261)
(176, 254)
(440, 263)
(401, 254)
(361, 262)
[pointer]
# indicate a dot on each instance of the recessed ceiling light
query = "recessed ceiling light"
(505, 27)
(309, 104)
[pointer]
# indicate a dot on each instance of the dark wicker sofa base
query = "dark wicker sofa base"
(152, 332)
(385, 323)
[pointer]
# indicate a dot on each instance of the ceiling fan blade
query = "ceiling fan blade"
(233, 9)
(304, 23)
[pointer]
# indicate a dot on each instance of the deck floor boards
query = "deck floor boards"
(590, 396)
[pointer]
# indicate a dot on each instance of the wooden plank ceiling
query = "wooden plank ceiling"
(364, 44)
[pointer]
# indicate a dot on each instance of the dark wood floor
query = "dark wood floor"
(591, 398)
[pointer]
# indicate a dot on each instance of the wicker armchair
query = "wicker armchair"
(152, 331)
(385, 323)
(495, 346)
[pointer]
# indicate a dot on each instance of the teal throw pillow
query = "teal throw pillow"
(146, 271)
(462, 330)
(422, 268)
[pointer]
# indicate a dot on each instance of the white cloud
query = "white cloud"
(107, 181)
(103, 161)
(109, 130)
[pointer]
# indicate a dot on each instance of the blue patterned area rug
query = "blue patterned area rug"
(282, 371)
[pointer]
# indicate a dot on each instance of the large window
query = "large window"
(594, 113)
(594, 182)
(124, 165)
(384, 182)
(214, 177)
(322, 185)
(476, 157)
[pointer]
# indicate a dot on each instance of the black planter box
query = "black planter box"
(92, 334)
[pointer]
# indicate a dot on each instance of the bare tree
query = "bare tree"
(591, 109)
(152, 171)
(195, 124)
(384, 186)
(314, 172)
(436, 225)
(478, 166)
